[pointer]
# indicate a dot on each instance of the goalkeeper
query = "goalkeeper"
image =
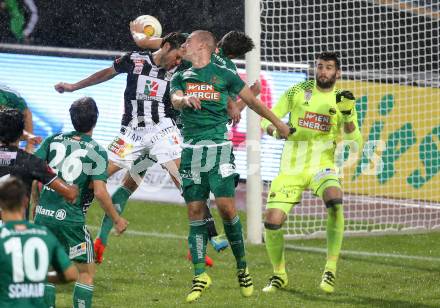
(318, 112)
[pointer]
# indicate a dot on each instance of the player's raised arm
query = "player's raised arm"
(105, 201)
(256, 105)
(141, 39)
(96, 78)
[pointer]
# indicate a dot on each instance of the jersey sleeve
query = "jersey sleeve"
(43, 150)
(282, 107)
(123, 64)
(235, 84)
(60, 259)
(41, 171)
(177, 83)
(99, 160)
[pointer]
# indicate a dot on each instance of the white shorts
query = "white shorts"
(159, 143)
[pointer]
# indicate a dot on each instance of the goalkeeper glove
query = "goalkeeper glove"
(277, 135)
(345, 102)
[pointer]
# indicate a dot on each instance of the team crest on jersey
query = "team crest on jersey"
(307, 96)
(203, 91)
(315, 121)
(151, 88)
(138, 66)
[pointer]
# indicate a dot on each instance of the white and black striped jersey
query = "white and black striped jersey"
(147, 93)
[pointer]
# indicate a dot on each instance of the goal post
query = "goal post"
(390, 61)
(253, 136)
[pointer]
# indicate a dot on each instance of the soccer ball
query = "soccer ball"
(151, 26)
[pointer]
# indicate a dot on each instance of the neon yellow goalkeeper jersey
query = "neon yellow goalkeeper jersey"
(318, 124)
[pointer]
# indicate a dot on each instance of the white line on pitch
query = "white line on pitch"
(362, 253)
(149, 234)
(293, 247)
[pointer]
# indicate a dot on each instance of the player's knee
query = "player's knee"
(273, 227)
(335, 203)
(196, 212)
(86, 278)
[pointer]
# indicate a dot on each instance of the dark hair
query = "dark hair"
(329, 56)
(236, 44)
(175, 39)
(84, 114)
(11, 125)
(12, 193)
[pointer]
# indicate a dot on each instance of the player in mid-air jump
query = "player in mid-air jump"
(201, 93)
(148, 130)
(233, 44)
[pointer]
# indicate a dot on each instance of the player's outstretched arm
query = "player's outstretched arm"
(256, 105)
(142, 40)
(105, 201)
(255, 89)
(96, 78)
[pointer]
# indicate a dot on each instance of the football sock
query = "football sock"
(49, 295)
(234, 233)
(335, 233)
(275, 250)
(197, 240)
(119, 199)
(82, 295)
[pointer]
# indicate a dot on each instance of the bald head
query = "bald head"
(206, 38)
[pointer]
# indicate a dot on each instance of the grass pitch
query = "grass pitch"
(148, 268)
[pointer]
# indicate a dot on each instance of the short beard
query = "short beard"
(326, 84)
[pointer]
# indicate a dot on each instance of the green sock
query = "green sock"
(335, 233)
(234, 233)
(119, 199)
(197, 240)
(82, 295)
(275, 249)
(49, 295)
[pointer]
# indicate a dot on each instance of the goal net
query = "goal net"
(390, 60)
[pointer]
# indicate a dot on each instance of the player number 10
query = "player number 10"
(24, 259)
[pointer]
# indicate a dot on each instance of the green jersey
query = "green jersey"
(26, 252)
(212, 84)
(79, 160)
(221, 59)
(11, 99)
(316, 118)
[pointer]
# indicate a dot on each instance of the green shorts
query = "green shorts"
(286, 190)
(75, 239)
(207, 169)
